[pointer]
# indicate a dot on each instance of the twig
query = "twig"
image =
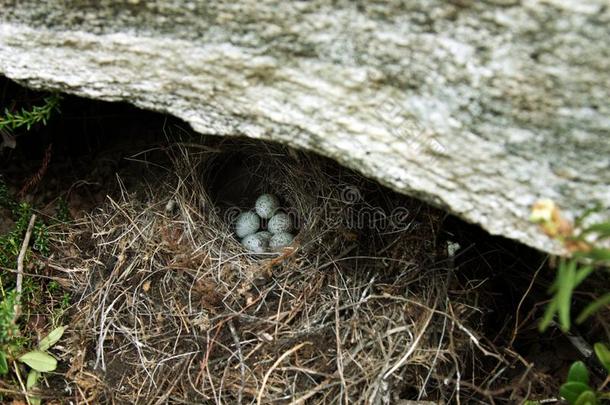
(261, 392)
(23, 388)
(339, 346)
(20, 260)
(436, 354)
(516, 328)
(413, 346)
(242, 367)
(318, 388)
(477, 342)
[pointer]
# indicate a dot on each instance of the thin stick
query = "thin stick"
(273, 367)
(23, 388)
(20, 260)
(412, 348)
(314, 391)
(339, 346)
(516, 328)
(242, 367)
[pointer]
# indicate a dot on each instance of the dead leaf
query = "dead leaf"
(546, 213)
(8, 140)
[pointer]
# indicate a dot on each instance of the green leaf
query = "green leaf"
(581, 274)
(567, 277)
(602, 229)
(3, 364)
(593, 307)
(570, 391)
(53, 337)
(549, 313)
(597, 254)
(554, 286)
(592, 210)
(603, 355)
(579, 373)
(32, 380)
(586, 398)
(39, 361)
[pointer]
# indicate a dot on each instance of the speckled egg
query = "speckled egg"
(280, 240)
(246, 224)
(280, 222)
(266, 205)
(255, 243)
(266, 235)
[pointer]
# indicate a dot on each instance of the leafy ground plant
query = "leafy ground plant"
(587, 246)
(17, 354)
(578, 390)
(588, 254)
(29, 117)
(14, 340)
(23, 362)
(26, 117)
(39, 361)
(10, 243)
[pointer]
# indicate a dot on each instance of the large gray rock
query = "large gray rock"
(480, 107)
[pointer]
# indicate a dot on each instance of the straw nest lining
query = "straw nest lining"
(172, 308)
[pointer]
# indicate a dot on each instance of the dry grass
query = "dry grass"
(171, 309)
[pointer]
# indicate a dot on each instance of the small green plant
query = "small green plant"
(62, 212)
(28, 118)
(39, 361)
(59, 309)
(10, 244)
(570, 274)
(14, 355)
(577, 390)
(8, 329)
(6, 201)
(53, 287)
(16, 352)
(588, 255)
(41, 239)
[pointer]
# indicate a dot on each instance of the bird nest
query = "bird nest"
(171, 308)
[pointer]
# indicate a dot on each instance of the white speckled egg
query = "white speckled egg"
(266, 235)
(255, 243)
(280, 240)
(280, 222)
(266, 205)
(246, 224)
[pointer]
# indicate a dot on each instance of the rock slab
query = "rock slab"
(479, 107)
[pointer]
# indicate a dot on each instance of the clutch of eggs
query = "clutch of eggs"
(276, 236)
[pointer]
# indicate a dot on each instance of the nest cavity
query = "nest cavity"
(173, 309)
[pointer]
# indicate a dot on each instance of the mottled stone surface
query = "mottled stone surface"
(480, 107)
